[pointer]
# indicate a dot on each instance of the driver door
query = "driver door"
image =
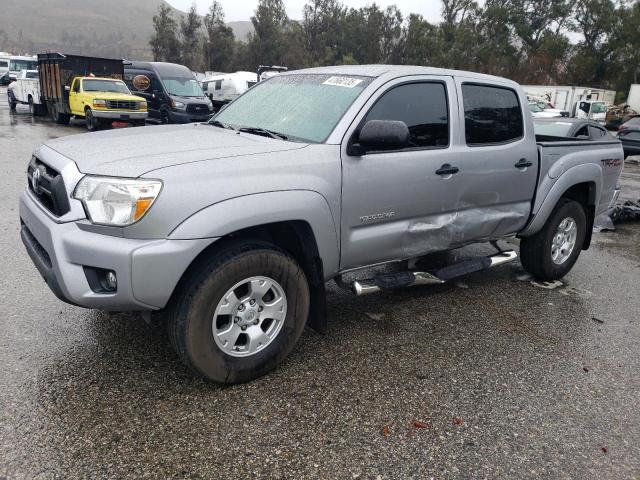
(75, 100)
(397, 204)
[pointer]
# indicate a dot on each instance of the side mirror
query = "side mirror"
(67, 88)
(380, 135)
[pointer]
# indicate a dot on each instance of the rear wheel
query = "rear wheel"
(12, 101)
(33, 109)
(58, 117)
(551, 253)
(239, 316)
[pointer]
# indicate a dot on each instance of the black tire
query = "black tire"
(59, 118)
(164, 117)
(192, 311)
(33, 109)
(12, 102)
(91, 122)
(535, 251)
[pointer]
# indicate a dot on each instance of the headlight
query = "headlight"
(177, 105)
(143, 105)
(116, 201)
(99, 103)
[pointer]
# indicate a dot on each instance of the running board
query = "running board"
(411, 279)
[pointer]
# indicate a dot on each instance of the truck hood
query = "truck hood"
(131, 152)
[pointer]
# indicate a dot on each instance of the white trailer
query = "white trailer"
(633, 100)
(567, 97)
(226, 87)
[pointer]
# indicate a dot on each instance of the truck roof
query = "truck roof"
(163, 68)
(393, 71)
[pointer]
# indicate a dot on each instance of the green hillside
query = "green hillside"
(109, 28)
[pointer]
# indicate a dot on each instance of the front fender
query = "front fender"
(556, 188)
(238, 213)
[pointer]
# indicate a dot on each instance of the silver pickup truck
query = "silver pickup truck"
(231, 228)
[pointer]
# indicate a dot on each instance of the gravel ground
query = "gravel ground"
(489, 377)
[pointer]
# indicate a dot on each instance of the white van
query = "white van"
(4, 68)
(19, 63)
(226, 87)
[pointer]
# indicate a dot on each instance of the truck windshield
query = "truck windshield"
(115, 86)
(182, 87)
(19, 65)
(301, 106)
(598, 107)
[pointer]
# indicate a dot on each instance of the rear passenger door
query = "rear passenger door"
(498, 161)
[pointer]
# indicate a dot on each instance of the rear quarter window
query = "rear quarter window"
(493, 115)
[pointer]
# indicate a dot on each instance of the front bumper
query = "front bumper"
(184, 117)
(119, 114)
(147, 270)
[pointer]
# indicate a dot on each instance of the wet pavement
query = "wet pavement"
(489, 377)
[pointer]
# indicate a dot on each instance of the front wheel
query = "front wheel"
(91, 122)
(12, 102)
(551, 253)
(237, 317)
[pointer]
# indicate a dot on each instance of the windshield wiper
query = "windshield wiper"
(217, 123)
(264, 132)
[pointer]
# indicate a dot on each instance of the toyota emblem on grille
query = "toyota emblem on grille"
(35, 179)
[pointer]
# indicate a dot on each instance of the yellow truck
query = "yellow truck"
(88, 88)
(105, 100)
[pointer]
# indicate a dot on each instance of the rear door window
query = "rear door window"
(422, 106)
(492, 115)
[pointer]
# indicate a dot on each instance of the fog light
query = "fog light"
(101, 280)
(110, 281)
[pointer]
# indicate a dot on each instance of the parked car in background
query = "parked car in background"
(172, 92)
(4, 69)
(226, 87)
(593, 110)
(538, 112)
(233, 227)
(629, 136)
(19, 63)
(556, 111)
(101, 101)
(567, 97)
(90, 88)
(26, 90)
(570, 128)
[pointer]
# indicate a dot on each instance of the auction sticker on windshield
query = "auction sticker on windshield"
(347, 82)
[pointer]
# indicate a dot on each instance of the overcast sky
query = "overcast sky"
(236, 10)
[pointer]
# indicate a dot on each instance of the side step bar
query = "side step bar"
(410, 279)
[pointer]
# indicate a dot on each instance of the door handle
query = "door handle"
(523, 163)
(447, 169)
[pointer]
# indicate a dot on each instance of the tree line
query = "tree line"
(588, 42)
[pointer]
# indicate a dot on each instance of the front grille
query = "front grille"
(123, 105)
(198, 108)
(48, 187)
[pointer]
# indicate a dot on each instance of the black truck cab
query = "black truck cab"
(172, 92)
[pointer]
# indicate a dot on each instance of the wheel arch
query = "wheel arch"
(582, 183)
(299, 222)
